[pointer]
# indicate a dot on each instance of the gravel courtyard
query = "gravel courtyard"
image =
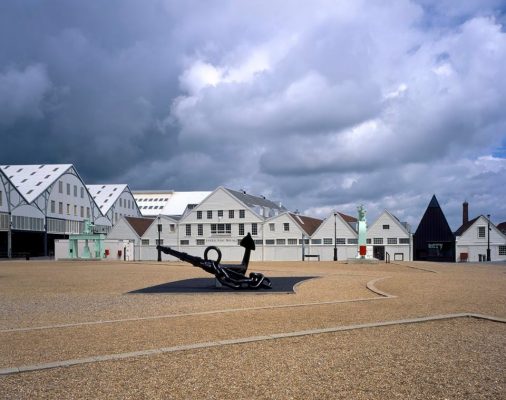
(350, 331)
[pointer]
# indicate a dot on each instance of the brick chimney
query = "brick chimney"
(465, 212)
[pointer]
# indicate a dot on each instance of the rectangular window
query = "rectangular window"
(188, 230)
(403, 240)
(200, 230)
(60, 207)
(292, 241)
(68, 189)
(378, 240)
(386, 226)
(254, 229)
(75, 191)
(82, 212)
(87, 212)
(286, 227)
(391, 240)
(316, 241)
(220, 213)
(201, 242)
(306, 241)
(159, 242)
(231, 214)
(145, 242)
(60, 187)
(68, 209)
(481, 231)
(502, 250)
(272, 227)
(280, 242)
(241, 229)
(352, 241)
(172, 227)
(269, 241)
(116, 217)
(184, 242)
(242, 214)
(75, 210)
(199, 214)
(120, 202)
(221, 229)
(209, 214)
(82, 193)
(368, 241)
(53, 205)
(327, 240)
(340, 240)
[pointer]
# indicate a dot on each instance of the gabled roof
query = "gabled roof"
(255, 201)
(465, 227)
(106, 195)
(139, 225)
(307, 224)
(433, 226)
(32, 180)
(348, 218)
(403, 225)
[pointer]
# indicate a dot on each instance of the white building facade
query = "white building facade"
(474, 239)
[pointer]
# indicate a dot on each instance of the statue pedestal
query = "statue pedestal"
(362, 261)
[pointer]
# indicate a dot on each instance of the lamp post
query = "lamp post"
(159, 232)
(335, 236)
(488, 237)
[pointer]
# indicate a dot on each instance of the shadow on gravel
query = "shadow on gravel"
(208, 285)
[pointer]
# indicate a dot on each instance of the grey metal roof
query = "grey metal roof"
(256, 201)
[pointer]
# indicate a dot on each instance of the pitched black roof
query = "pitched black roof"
(433, 226)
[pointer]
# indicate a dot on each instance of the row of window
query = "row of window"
(71, 209)
(389, 241)
(60, 189)
(127, 203)
(27, 223)
(221, 229)
(271, 242)
(153, 199)
(220, 213)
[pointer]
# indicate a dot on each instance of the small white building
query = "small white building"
(340, 226)
(473, 240)
(391, 239)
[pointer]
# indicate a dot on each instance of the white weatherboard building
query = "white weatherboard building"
(391, 239)
(473, 240)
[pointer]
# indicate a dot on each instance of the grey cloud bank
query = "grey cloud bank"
(322, 105)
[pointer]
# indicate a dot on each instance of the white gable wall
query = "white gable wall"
(388, 232)
(322, 242)
(470, 242)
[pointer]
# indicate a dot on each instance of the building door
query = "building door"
(378, 252)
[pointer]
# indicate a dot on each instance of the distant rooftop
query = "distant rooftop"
(153, 203)
(106, 195)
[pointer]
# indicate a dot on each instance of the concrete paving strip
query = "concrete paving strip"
(163, 350)
(370, 285)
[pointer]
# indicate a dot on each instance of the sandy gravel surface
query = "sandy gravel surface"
(444, 359)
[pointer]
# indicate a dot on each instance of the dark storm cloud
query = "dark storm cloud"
(320, 105)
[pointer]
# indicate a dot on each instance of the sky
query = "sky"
(322, 105)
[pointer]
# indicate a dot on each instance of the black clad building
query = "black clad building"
(433, 239)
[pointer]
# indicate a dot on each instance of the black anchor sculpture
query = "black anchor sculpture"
(231, 275)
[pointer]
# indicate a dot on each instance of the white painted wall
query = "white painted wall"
(469, 242)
